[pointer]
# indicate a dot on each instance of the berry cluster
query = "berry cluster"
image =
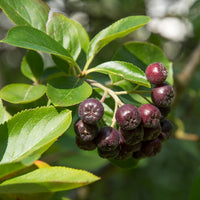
(141, 130)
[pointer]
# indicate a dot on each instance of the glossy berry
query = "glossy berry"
(107, 139)
(85, 145)
(150, 115)
(167, 128)
(156, 73)
(128, 117)
(162, 95)
(86, 132)
(132, 136)
(152, 133)
(152, 147)
(91, 111)
(108, 154)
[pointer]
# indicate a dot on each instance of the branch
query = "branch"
(183, 79)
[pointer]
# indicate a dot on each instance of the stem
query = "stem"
(78, 68)
(113, 119)
(104, 96)
(132, 91)
(110, 92)
(87, 64)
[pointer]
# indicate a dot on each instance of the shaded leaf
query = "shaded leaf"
(67, 91)
(119, 29)
(30, 12)
(31, 38)
(32, 65)
(124, 70)
(31, 132)
(63, 30)
(195, 193)
(22, 93)
(50, 179)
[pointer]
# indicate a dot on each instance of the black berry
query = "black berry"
(167, 128)
(152, 133)
(156, 73)
(107, 139)
(150, 115)
(128, 117)
(162, 95)
(86, 132)
(152, 147)
(85, 145)
(91, 111)
(164, 111)
(132, 136)
(108, 154)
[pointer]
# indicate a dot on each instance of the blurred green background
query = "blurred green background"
(175, 28)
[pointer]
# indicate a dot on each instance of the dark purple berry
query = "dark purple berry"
(127, 150)
(132, 136)
(150, 115)
(139, 154)
(109, 154)
(86, 132)
(167, 128)
(91, 111)
(107, 139)
(85, 145)
(152, 147)
(162, 95)
(128, 117)
(156, 73)
(164, 112)
(152, 133)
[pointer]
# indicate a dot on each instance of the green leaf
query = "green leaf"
(119, 29)
(124, 70)
(31, 132)
(67, 91)
(50, 179)
(4, 115)
(83, 35)
(31, 38)
(22, 93)
(63, 30)
(128, 164)
(27, 12)
(142, 54)
(32, 65)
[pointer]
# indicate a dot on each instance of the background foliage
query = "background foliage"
(170, 174)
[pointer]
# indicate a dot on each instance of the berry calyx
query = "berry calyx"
(91, 111)
(107, 139)
(156, 73)
(128, 117)
(162, 95)
(86, 132)
(150, 115)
